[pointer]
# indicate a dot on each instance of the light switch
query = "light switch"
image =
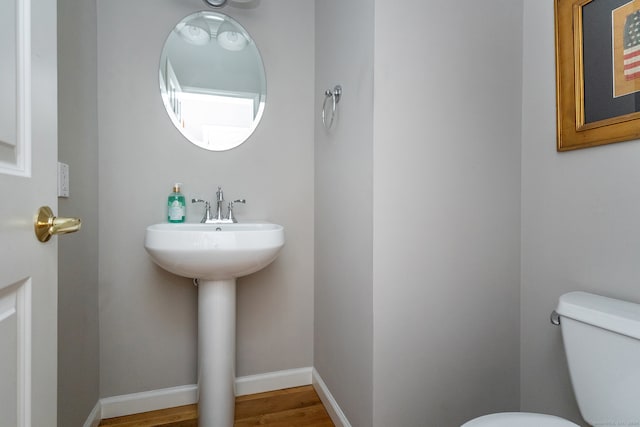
(63, 180)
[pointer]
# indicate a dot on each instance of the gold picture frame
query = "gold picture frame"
(607, 117)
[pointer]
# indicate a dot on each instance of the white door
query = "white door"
(28, 160)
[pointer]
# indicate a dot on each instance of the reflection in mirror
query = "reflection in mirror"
(212, 81)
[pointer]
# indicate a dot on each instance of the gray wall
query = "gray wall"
(147, 316)
(78, 353)
(418, 210)
(343, 342)
(580, 229)
(446, 203)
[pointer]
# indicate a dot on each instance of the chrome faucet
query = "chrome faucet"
(230, 215)
(208, 218)
(219, 200)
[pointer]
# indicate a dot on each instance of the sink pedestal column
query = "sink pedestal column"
(216, 352)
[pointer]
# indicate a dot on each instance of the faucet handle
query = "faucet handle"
(207, 209)
(230, 215)
(219, 195)
(207, 205)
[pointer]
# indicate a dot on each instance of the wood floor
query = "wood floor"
(291, 407)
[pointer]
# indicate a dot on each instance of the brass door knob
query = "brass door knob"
(46, 224)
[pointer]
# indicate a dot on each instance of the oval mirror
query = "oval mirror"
(212, 81)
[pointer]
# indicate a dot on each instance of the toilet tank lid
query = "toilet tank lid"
(615, 315)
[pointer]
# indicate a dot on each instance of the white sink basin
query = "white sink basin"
(215, 254)
(214, 251)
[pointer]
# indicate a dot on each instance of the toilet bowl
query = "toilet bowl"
(519, 419)
(601, 338)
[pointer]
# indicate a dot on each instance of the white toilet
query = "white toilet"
(602, 342)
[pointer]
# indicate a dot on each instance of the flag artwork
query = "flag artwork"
(626, 48)
(632, 46)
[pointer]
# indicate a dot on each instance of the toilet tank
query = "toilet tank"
(602, 343)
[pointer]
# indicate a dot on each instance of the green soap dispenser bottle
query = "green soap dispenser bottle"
(176, 205)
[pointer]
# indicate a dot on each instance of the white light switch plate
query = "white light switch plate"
(63, 180)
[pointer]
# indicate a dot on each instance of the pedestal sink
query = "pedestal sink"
(215, 255)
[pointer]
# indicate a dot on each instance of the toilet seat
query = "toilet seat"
(519, 419)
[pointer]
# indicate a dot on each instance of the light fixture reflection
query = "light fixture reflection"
(196, 32)
(230, 38)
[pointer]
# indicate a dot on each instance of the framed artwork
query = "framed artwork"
(597, 72)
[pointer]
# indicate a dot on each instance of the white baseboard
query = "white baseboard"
(146, 401)
(337, 416)
(94, 418)
(260, 383)
(153, 400)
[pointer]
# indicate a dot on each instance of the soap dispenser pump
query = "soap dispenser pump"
(176, 205)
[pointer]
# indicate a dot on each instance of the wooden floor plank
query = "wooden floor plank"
(299, 406)
(270, 403)
(314, 415)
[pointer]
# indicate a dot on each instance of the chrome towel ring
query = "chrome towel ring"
(334, 95)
